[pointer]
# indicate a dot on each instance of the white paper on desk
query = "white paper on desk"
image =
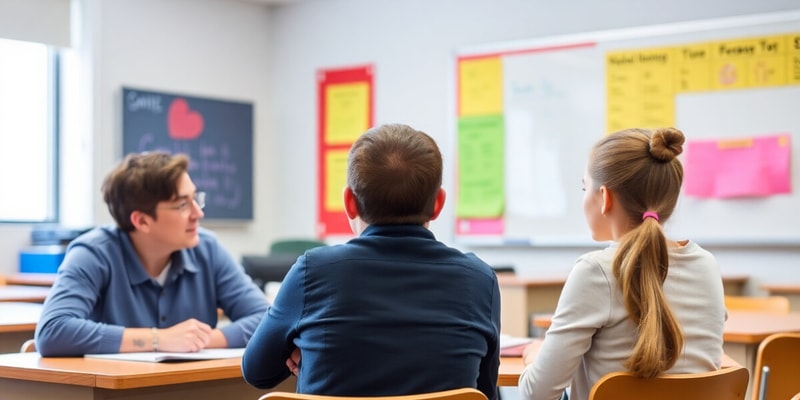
(512, 341)
(154, 356)
(511, 346)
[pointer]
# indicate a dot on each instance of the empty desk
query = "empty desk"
(790, 291)
(520, 297)
(31, 279)
(17, 324)
(744, 331)
(33, 294)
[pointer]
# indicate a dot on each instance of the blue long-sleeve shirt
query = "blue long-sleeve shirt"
(391, 312)
(102, 288)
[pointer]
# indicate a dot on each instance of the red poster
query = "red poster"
(345, 111)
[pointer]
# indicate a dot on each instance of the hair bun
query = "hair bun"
(666, 144)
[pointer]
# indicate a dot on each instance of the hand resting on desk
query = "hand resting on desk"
(188, 336)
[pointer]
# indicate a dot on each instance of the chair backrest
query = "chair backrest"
(293, 247)
(781, 353)
(504, 269)
(269, 268)
(454, 394)
(770, 304)
(29, 346)
(725, 384)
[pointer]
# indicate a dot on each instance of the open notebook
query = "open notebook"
(153, 356)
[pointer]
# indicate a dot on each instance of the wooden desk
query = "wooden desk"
(32, 377)
(510, 369)
(31, 294)
(17, 324)
(744, 331)
(542, 321)
(733, 285)
(31, 279)
(791, 292)
(522, 297)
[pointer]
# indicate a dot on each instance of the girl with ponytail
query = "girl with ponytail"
(645, 304)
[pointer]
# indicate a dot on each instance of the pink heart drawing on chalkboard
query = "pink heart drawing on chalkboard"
(182, 122)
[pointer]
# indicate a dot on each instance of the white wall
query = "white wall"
(209, 48)
(244, 51)
(411, 44)
(213, 48)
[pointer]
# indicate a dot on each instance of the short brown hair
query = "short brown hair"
(140, 182)
(395, 173)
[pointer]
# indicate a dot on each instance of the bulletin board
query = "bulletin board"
(345, 110)
(527, 114)
(217, 135)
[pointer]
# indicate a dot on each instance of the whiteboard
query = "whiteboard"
(555, 106)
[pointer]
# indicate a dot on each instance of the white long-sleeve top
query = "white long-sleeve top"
(591, 334)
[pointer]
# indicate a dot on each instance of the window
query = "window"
(28, 132)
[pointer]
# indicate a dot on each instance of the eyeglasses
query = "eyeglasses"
(199, 198)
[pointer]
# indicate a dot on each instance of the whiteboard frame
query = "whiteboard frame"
(604, 36)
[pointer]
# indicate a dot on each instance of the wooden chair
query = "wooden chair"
(454, 394)
(780, 353)
(770, 304)
(29, 346)
(724, 384)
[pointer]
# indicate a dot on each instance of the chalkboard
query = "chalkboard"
(216, 135)
(528, 112)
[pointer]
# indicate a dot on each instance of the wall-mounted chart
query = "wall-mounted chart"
(527, 114)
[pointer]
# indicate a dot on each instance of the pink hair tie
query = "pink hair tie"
(649, 214)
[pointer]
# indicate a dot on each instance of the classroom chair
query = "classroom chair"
(777, 368)
(294, 247)
(273, 266)
(504, 269)
(770, 304)
(724, 384)
(454, 394)
(29, 346)
(269, 268)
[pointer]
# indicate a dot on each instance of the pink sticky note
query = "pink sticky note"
(484, 226)
(747, 167)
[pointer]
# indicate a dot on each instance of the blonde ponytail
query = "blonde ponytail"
(641, 268)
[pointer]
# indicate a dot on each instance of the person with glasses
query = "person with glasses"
(154, 281)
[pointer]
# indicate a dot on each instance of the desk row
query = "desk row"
(31, 377)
